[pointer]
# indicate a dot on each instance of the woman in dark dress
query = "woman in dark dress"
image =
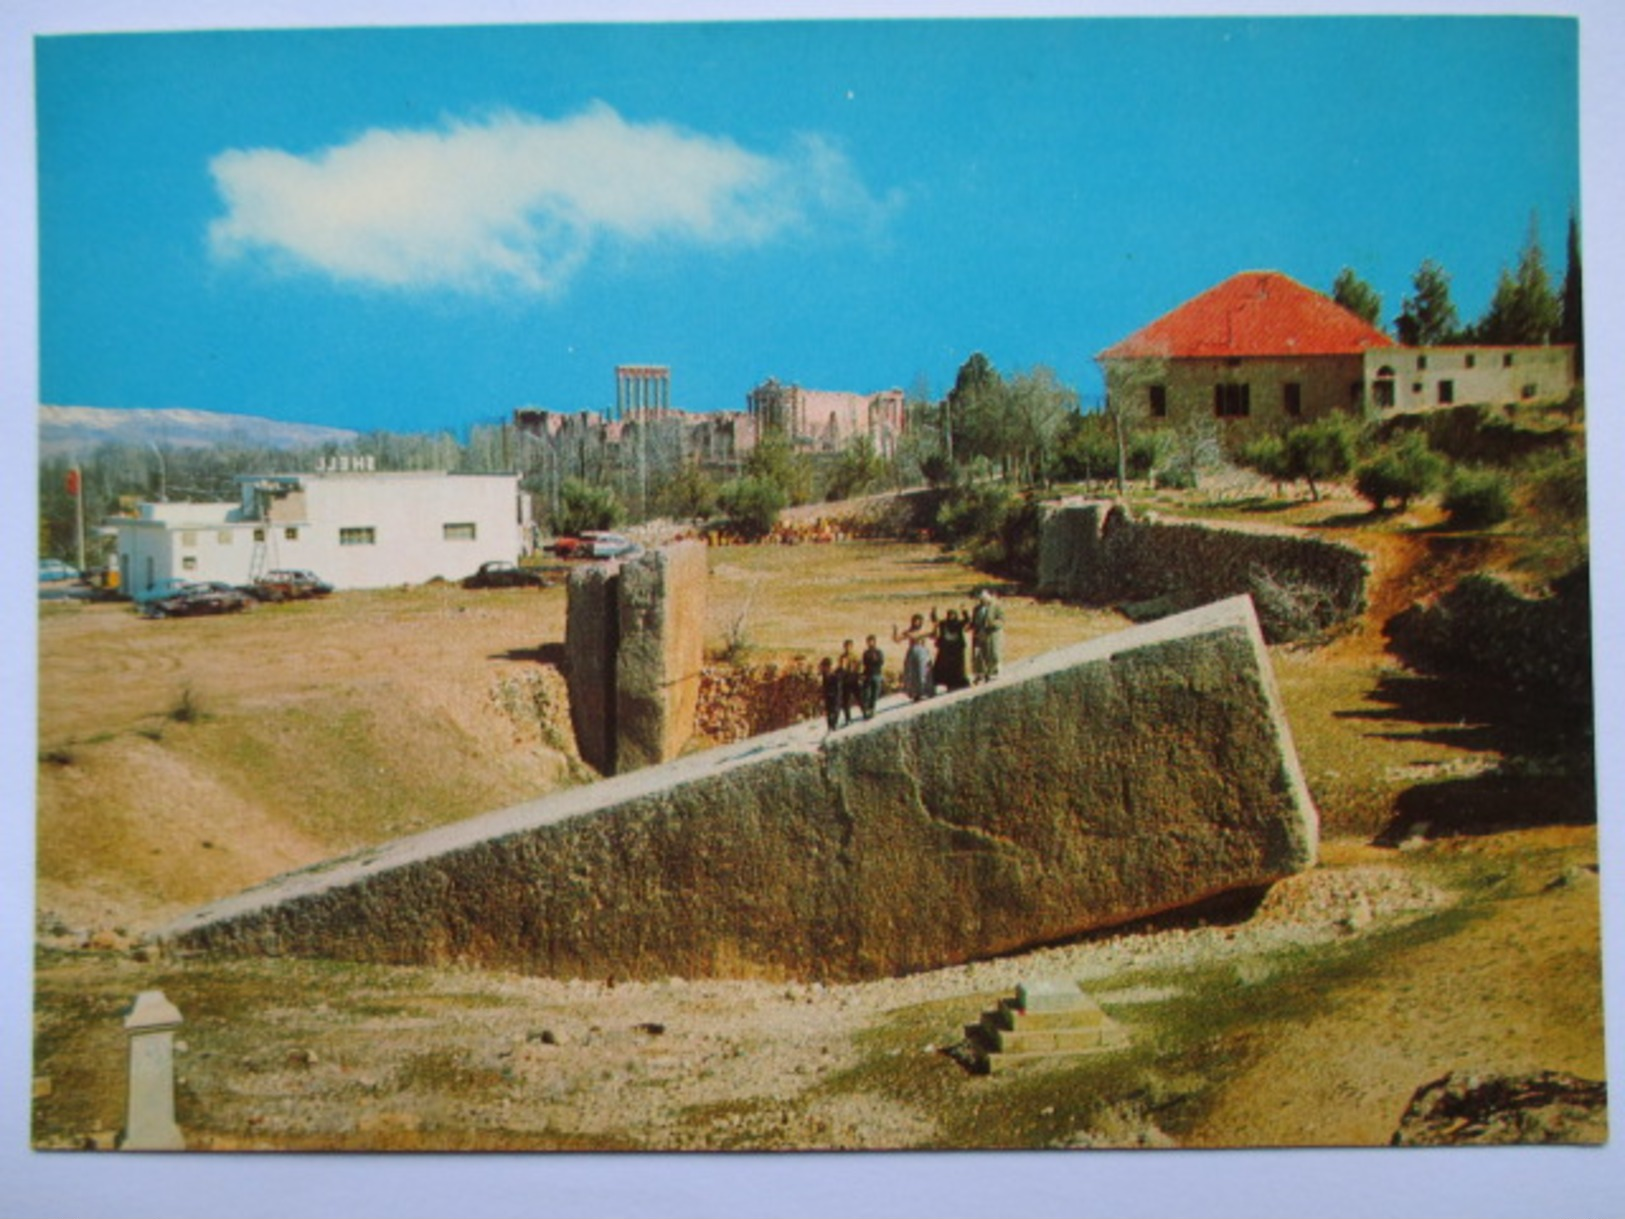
(950, 668)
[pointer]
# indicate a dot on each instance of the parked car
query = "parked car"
(288, 585)
(192, 600)
(59, 581)
(610, 545)
(569, 548)
(499, 573)
(595, 544)
(167, 587)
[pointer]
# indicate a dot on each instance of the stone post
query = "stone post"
(591, 637)
(659, 653)
(150, 1122)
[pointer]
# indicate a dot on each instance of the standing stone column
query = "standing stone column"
(591, 636)
(660, 652)
(150, 1121)
(634, 638)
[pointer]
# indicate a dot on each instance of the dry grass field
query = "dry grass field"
(183, 760)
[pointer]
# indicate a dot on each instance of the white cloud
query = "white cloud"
(519, 202)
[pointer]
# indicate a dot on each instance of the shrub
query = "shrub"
(1483, 631)
(752, 505)
(858, 469)
(974, 510)
(1477, 434)
(1088, 455)
(583, 506)
(1088, 452)
(187, 709)
(1402, 471)
(1291, 610)
(1319, 451)
(776, 460)
(1012, 548)
(1177, 475)
(1477, 499)
(1557, 493)
(689, 495)
(937, 470)
(1265, 455)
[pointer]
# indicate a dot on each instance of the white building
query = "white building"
(354, 530)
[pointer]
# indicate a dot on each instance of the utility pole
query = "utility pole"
(76, 484)
(163, 472)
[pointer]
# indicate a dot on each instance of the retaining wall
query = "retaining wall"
(1131, 774)
(1094, 552)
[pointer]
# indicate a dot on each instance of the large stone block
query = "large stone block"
(591, 640)
(659, 654)
(1124, 776)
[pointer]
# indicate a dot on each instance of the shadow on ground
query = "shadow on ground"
(1546, 772)
(542, 654)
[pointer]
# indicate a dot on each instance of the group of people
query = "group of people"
(935, 657)
(852, 679)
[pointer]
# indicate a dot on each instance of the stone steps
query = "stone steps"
(1045, 1020)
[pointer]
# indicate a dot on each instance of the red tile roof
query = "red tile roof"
(1255, 313)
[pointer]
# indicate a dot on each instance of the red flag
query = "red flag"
(73, 482)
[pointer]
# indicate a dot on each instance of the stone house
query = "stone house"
(1260, 352)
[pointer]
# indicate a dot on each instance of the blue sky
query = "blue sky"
(418, 228)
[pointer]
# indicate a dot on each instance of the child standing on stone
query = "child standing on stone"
(874, 664)
(851, 671)
(833, 682)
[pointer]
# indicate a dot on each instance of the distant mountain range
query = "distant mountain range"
(67, 430)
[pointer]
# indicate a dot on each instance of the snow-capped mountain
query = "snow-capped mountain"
(67, 430)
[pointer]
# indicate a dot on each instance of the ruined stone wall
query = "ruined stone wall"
(1092, 551)
(634, 641)
(1120, 777)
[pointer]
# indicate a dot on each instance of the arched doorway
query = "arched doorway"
(1382, 388)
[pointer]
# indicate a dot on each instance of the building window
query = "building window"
(1417, 387)
(1506, 359)
(358, 535)
(188, 537)
(1530, 390)
(1421, 363)
(1471, 360)
(1231, 401)
(189, 563)
(290, 534)
(1447, 392)
(1292, 398)
(460, 531)
(259, 535)
(1159, 401)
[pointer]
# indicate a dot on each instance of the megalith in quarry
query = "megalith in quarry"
(1128, 775)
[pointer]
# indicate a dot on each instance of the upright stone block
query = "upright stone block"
(150, 1117)
(659, 655)
(1069, 545)
(591, 639)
